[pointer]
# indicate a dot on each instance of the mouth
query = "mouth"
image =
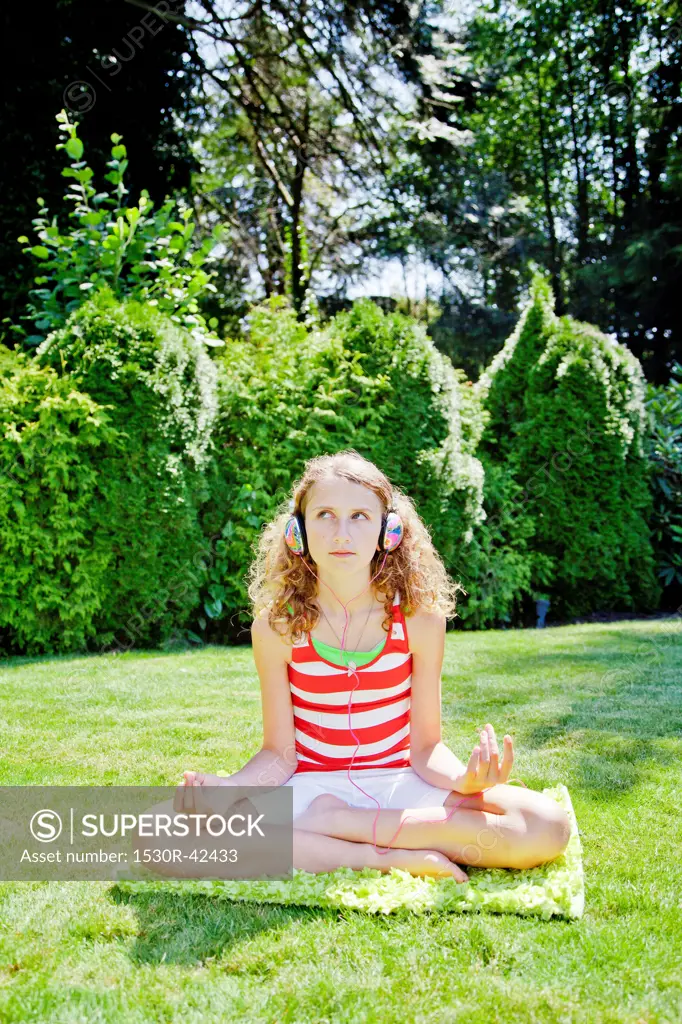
(342, 554)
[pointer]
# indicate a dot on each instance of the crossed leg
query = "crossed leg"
(504, 826)
(311, 852)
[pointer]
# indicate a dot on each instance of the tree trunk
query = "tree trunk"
(554, 253)
(299, 281)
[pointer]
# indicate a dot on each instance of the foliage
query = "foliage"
(132, 250)
(52, 564)
(9, 359)
(470, 333)
(103, 545)
(108, 64)
(146, 367)
(367, 380)
(665, 406)
(501, 564)
(549, 134)
(304, 301)
(567, 429)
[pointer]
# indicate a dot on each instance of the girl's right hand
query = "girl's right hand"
(199, 794)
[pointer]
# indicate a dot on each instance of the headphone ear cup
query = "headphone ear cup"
(304, 535)
(295, 535)
(392, 531)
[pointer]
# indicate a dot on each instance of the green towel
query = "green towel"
(552, 889)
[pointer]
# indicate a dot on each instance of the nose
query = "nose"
(342, 532)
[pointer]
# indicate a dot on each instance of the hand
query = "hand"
(199, 794)
(484, 769)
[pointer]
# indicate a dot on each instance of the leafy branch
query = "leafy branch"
(138, 253)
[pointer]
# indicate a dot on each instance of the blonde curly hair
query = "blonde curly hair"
(277, 577)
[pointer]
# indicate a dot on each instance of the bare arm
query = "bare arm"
(430, 757)
(276, 761)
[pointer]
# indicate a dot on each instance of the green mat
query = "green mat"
(552, 889)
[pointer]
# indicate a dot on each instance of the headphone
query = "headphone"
(390, 536)
(296, 539)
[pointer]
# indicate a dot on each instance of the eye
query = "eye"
(325, 510)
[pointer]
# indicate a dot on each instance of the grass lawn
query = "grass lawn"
(598, 707)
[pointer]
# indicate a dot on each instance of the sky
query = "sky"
(387, 277)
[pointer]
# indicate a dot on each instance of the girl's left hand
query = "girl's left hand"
(484, 769)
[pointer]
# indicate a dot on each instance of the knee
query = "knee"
(546, 836)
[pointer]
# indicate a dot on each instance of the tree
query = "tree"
(550, 132)
(97, 60)
(299, 130)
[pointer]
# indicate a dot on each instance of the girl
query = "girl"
(351, 699)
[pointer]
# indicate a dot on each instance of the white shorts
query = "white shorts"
(393, 787)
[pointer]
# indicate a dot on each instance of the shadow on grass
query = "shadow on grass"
(194, 929)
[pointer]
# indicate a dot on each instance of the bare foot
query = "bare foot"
(422, 862)
(416, 862)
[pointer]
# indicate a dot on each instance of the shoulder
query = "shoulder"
(260, 623)
(426, 628)
(262, 632)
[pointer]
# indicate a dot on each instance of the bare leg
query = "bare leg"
(527, 828)
(317, 853)
(311, 852)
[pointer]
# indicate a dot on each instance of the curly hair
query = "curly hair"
(277, 577)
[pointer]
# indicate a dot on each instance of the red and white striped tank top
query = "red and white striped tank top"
(380, 708)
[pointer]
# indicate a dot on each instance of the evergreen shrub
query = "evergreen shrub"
(110, 551)
(568, 490)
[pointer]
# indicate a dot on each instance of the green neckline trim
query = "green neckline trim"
(317, 644)
(321, 646)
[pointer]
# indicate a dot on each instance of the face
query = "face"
(342, 516)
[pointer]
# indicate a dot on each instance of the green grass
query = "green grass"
(598, 707)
